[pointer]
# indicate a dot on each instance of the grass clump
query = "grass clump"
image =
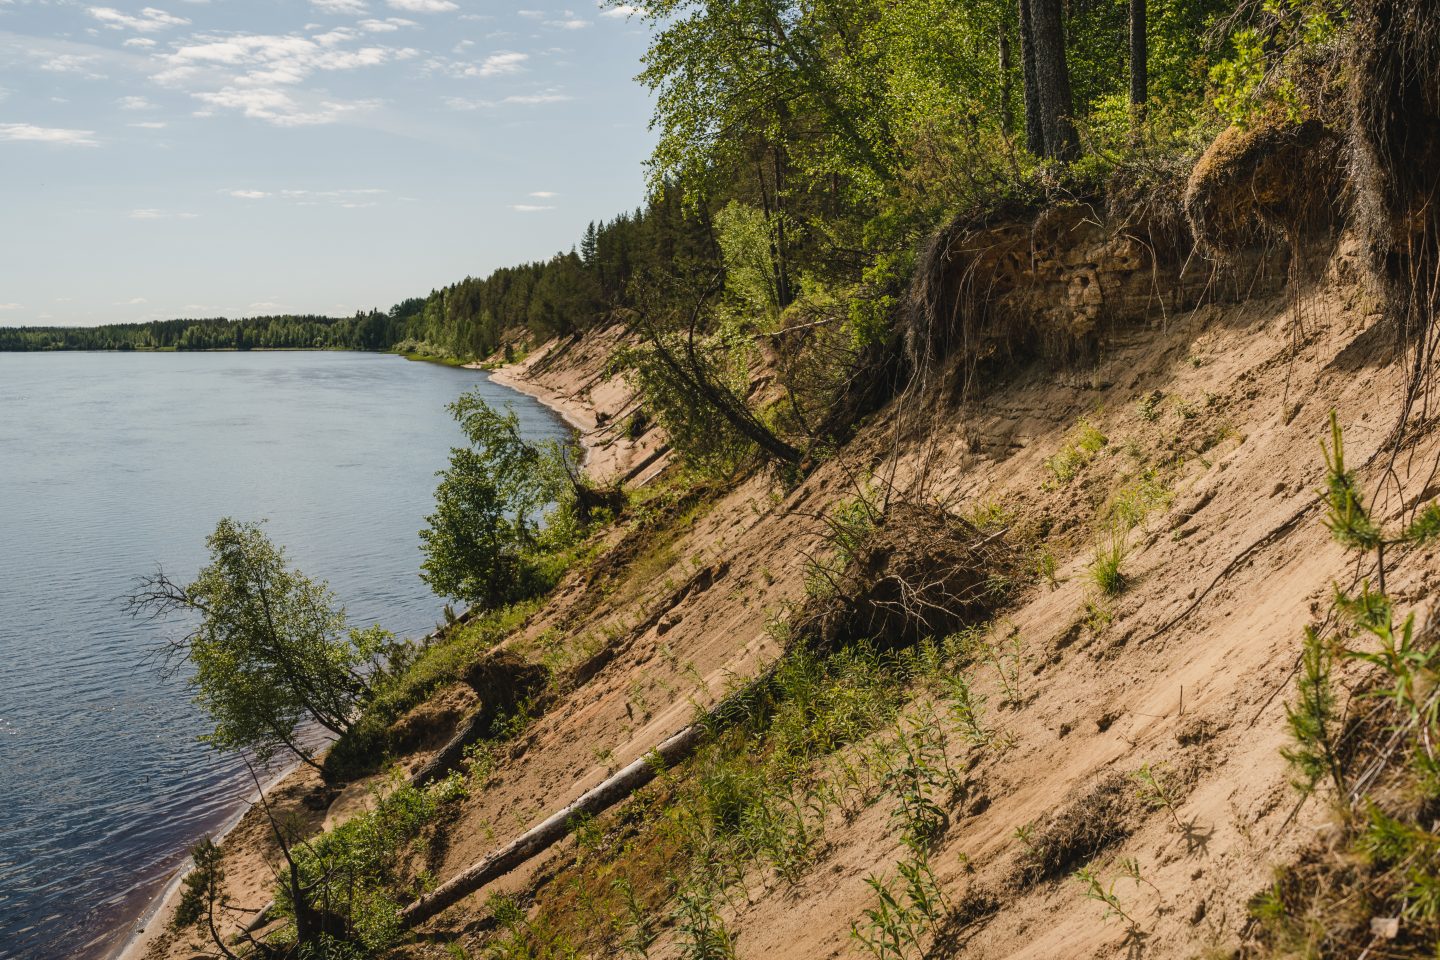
(1106, 570)
(1084, 443)
(823, 735)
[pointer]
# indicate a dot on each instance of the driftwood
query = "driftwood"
(553, 829)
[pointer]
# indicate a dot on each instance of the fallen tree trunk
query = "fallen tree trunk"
(553, 829)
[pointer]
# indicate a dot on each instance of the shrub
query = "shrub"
(490, 541)
(270, 650)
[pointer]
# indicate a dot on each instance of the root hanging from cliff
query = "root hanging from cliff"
(1395, 137)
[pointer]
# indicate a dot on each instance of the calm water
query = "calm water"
(111, 464)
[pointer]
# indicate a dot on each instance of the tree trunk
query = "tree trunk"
(783, 295)
(1139, 61)
(1052, 81)
(555, 828)
(1034, 131)
(1007, 117)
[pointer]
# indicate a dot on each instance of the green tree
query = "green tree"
(268, 648)
(483, 544)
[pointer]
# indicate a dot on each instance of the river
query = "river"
(111, 464)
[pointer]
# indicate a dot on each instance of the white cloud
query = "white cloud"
(520, 99)
(334, 196)
(149, 20)
(256, 74)
(570, 22)
(619, 11)
(30, 132)
(352, 198)
(529, 208)
(68, 63)
(134, 103)
(544, 194)
(536, 99)
(424, 6)
(12, 306)
(388, 25)
(499, 64)
(354, 7)
(150, 213)
(143, 42)
(280, 108)
(150, 125)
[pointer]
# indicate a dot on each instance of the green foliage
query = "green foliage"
(1084, 443)
(907, 908)
(1410, 665)
(1155, 791)
(1348, 519)
(1312, 719)
(849, 524)
(484, 543)
(750, 276)
(1391, 842)
(202, 889)
(1257, 78)
(1137, 498)
(1106, 570)
(354, 873)
(522, 938)
(365, 331)
(271, 649)
(702, 932)
(1097, 891)
(567, 294)
(413, 675)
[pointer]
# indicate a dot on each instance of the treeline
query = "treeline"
(566, 294)
(364, 331)
(570, 292)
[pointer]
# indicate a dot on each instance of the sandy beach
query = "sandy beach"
(560, 375)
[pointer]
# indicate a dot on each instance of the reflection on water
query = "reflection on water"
(113, 463)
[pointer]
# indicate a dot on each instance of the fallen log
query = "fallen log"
(555, 828)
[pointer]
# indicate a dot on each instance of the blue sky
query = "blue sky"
(239, 157)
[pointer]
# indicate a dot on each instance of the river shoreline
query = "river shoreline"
(135, 939)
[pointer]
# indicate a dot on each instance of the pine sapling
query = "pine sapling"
(1312, 719)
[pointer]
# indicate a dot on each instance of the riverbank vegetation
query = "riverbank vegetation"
(267, 650)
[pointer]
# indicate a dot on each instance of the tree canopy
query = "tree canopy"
(488, 541)
(267, 648)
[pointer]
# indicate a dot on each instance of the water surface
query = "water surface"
(113, 463)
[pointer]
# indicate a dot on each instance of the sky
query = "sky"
(242, 157)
